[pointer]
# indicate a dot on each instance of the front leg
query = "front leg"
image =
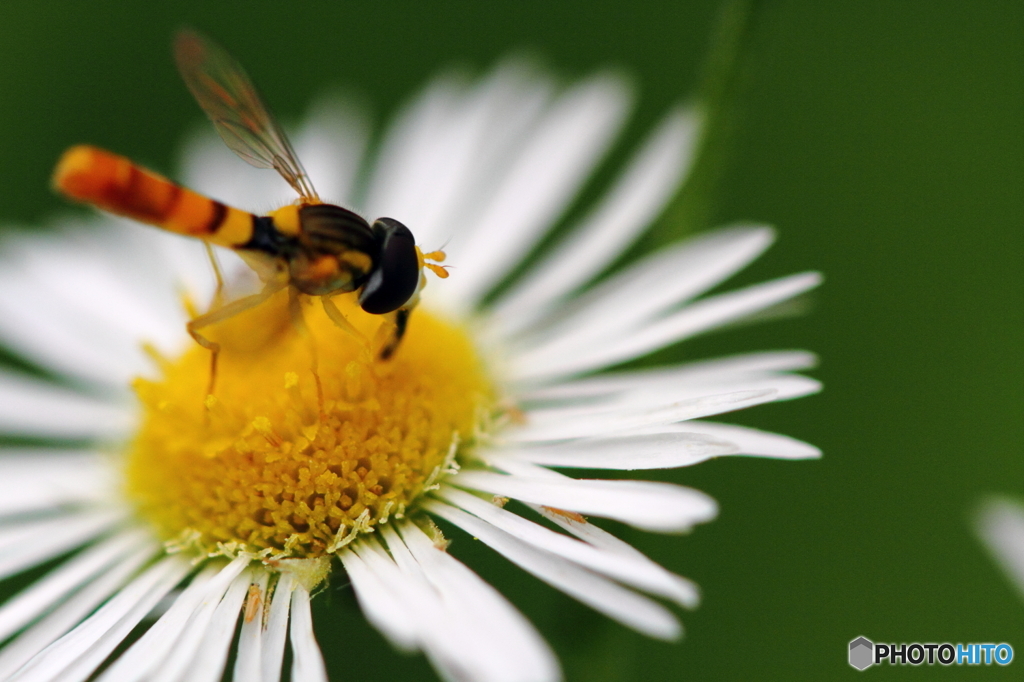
(392, 329)
(225, 312)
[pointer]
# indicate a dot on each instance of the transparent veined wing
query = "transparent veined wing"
(229, 98)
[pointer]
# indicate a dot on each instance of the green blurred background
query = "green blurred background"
(883, 139)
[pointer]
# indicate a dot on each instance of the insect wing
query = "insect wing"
(228, 97)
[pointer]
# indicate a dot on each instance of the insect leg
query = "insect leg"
(391, 331)
(222, 313)
(218, 294)
(339, 319)
(295, 309)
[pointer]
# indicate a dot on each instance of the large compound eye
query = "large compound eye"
(393, 281)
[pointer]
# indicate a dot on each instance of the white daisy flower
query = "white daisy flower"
(222, 517)
(1000, 525)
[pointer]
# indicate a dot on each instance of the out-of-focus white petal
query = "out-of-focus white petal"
(42, 595)
(34, 479)
(32, 407)
(464, 154)
(638, 196)
(330, 144)
(554, 161)
(76, 655)
(209, 167)
(307, 661)
(82, 301)
(70, 612)
(151, 650)
(380, 606)
(411, 149)
(1000, 524)
(32, 542)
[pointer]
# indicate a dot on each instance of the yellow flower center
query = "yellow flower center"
(267, 464)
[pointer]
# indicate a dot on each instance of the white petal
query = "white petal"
(628, 453)
(700, 373)
(553, 162)
(653, 397)
(504, 644)
(150, 651)
(411, 148)
(249, 659)
(331, 144)
(549, 425)
(753, 442)
(596, 352)
(81, 569)
(209, 167)
(275, 634)
(607, 542)
(636, 570)
(33, 479)
(125, 291)
(77, 654)
(472, 147)
(52, 331)
(31, 543)
(379, 605)
(23, 464)
(192, 276)
(657, 283)
(649, 505)
(70, 612)
(200, 610)
(413, 612)
(455, 614)
(123, 302)
(209, 662)
(1000, 525)
(32, 407)
(614, 601)
(638, 196)
(307, 661)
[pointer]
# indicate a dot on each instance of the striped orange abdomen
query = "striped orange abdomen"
(116, 184)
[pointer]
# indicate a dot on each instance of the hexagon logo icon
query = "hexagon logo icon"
(862, 653)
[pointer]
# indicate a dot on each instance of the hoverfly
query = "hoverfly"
(315, 248)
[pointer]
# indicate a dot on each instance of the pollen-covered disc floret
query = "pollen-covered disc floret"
(266, 463)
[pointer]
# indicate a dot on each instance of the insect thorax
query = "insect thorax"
(328, 249)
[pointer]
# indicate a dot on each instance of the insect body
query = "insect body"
(315, 248)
